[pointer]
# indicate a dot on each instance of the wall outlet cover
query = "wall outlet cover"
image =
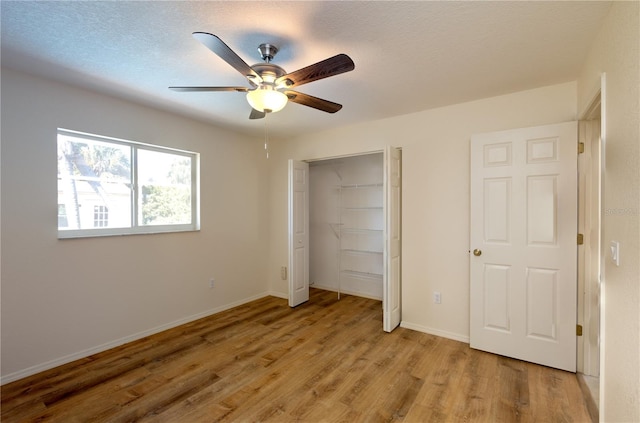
(614, 249)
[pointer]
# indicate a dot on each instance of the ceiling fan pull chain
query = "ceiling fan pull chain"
(266, 136)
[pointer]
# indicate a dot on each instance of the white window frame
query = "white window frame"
(136, 228)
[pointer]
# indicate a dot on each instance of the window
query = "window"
(100, 217)
(115, 187)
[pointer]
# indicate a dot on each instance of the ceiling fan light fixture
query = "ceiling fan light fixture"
(267, 100)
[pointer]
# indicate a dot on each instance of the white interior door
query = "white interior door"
(392, 233)
(523, 238)
(298, 232)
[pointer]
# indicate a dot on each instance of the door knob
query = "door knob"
(477, 252)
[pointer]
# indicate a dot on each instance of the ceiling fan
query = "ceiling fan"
(270, 84)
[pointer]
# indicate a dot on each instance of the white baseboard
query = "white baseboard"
(347, 292)
(278, 294)
(436, 332)
(11, 377)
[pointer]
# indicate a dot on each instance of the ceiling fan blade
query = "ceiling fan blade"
(329, 67)
(311, 101)
(188, 89)
(217, 46)
(255, 114)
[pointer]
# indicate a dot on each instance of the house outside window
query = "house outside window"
(110, 186)
(100, 216)
(62, 216)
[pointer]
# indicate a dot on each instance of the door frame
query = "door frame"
(590, 218)
(362, 153)
(599, 95)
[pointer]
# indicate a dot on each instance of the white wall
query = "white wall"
(435, 192)
(615, 52)
(62, 299)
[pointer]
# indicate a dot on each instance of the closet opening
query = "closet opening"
(346, 225)
(345, 229)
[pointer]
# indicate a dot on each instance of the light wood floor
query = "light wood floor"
(326, 360)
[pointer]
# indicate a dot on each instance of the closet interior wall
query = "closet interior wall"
(346, 225)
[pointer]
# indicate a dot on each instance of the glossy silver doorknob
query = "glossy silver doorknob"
(477, 252)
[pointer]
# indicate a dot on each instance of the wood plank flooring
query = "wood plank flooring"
(324, 361)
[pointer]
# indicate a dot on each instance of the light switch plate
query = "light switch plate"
(614, 249)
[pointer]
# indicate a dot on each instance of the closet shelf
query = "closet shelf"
(362, 275)
(360, 252)
(338, 230)
(360, 230)
(353, 231)
(365, 252)
(357, 186)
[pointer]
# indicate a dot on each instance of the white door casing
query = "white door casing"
(589, 253)
(392, 233)
(523, 236)
(298, 232)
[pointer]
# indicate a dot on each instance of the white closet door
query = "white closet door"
(298, 232)
(392, 232)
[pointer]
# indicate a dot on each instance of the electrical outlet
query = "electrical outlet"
(436, 297)
(212, 282)
(283, 273)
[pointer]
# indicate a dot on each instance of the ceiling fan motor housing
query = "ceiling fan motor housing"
(267, 52)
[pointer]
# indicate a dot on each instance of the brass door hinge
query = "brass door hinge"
(579, 330)
(580, 239)
(580, 147)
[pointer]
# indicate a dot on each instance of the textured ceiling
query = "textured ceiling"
(409, 55)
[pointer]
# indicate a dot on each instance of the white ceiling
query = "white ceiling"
(409, 55)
